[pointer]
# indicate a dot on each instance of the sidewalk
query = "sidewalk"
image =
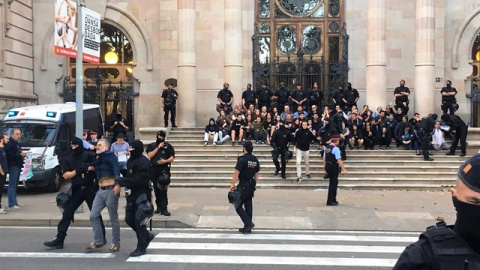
(273, 209)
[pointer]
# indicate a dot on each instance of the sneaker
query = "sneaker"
(166, 213)
(308, 176)
(3, 211)
(206, 143)
(15, 207)
(113, 248)
(93, 247)
(55, 243)
(138, 252)
(299, 180)
(20, 205)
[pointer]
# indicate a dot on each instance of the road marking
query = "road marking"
(276, 247)
(264, 260)
(56, 255)
(293, 237)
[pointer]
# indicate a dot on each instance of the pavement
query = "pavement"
(385, 210)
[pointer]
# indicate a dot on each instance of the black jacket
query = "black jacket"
(303, 137)
(13, 151)
(281, 138)
(454, 121)
(137, 179)
(79, 164)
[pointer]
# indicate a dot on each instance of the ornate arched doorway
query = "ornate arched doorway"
(110, 83)
(300, 41)
(475, 91)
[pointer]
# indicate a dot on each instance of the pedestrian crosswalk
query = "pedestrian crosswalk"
(301, 248)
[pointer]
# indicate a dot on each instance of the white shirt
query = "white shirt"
(437, 137)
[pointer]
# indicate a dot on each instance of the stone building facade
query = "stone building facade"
(204, 43)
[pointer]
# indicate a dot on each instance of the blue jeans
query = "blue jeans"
(13, 178)
(105, 198)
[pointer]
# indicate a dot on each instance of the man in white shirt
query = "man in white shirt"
(438, 140)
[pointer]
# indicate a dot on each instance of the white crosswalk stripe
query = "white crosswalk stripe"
(361, 249)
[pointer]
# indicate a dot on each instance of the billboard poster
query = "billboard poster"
(65, 36)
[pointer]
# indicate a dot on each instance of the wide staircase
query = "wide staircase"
(212, 166)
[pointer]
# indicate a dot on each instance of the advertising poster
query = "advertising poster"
(65, 36)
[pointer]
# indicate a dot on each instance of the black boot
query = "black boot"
(55, 243)
(138, 252)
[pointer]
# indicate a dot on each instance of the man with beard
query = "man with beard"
(451, 247)
(225, 99)
(106, 170)
(264, 96)
(281, 96)
(75, 169)
(138, 169)
(249, 97)
(161, 155)
(401, 94)
(169, 104)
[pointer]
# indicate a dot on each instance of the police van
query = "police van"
(47, 131)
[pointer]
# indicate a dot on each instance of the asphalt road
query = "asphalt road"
(22, 248)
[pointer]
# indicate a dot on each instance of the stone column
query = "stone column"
(376, 86)
(233, 48)
(187, 65)
(425, 57)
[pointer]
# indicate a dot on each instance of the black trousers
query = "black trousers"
(161, 194)
(3, 180)
(424, 142)
(460, 135)
(447, 106)
(332, 172)
(80, 194)
(132, 221)
(245, 211)
(173, 111)
(283, 159)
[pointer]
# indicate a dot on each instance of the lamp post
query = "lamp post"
(79, 74)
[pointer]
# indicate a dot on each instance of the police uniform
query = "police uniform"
(315, 98)
(157, 170)
(82, 189)
(461, 130)
(331, 156)
(283, 96)
(247, 165)
(443, 247)
(138, 169)
(401, 99)
(427, 124)
(279, 142)
(170, 101)
(448, 101)
(249, 96)
(264, 96)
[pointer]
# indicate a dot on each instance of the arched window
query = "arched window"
(300, 41)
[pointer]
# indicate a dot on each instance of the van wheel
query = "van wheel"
(55, 181)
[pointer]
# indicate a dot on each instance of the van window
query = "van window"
(33, 134)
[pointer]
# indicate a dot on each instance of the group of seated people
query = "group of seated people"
(356, 129)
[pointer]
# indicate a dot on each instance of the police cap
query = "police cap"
(469, 173)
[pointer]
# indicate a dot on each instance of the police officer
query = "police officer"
(75, 168)
(246, 170)
(282, 97)
(225, 99)
(138, 169)
(457, 126)
(299, 97)
(264, 96)
(249, 97)
(338, 98)
(427, 124)
(401, 94)
(315, 97)
(332, 159)
(161, 155)
(451, 247)
(279, 141)
(169, 104)
(351, 97)
(448, 98)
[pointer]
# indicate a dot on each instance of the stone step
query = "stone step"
(291, 172)
(316, 166)
(231, 159)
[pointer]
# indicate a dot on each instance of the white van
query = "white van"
(46, 131)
